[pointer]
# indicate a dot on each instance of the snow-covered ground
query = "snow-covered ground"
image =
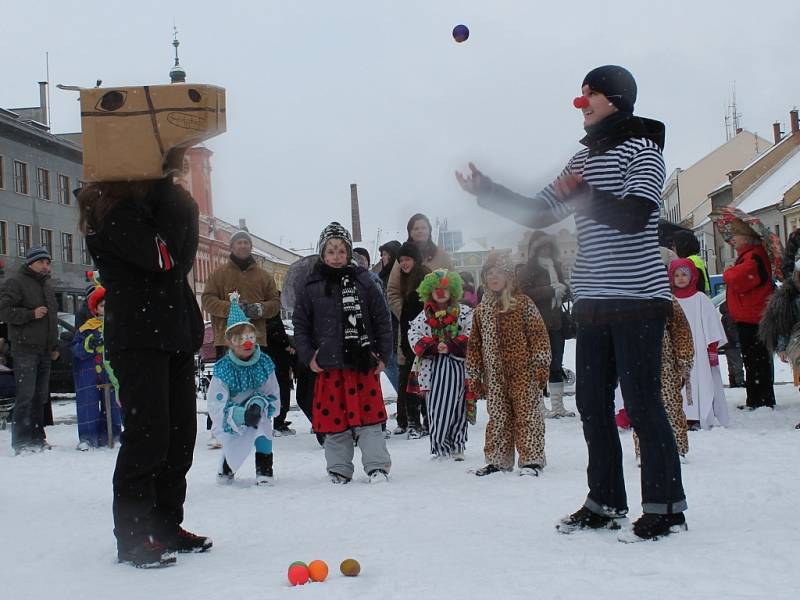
(432, 532)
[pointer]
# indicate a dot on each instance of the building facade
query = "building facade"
(38, 173)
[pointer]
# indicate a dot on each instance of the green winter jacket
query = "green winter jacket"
(19, 296)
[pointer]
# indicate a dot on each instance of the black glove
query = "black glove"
(254, 310)
(252, 415)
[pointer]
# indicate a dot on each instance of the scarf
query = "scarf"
(356, 344)
(240, 375)
(243, 264)
(443, 323)
(618, 127)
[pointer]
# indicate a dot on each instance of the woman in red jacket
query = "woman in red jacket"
(748, 288)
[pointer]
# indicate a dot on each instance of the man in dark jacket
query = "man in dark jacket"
(613, 189)
(28, 304)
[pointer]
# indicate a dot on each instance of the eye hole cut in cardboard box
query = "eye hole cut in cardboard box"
(142, 132)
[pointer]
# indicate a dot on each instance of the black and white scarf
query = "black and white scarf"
(357, 351)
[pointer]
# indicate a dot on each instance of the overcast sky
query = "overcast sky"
(321, 94)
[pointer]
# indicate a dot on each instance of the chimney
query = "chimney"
(44, 105)
(243, 225)
(795, 127)
(355, 215)
(776, 132)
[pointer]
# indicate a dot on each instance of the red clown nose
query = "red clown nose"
(248, 345)
(581, 102)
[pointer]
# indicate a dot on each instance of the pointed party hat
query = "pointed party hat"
(236, 315)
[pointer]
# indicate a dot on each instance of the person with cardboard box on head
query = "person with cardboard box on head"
(142, 231)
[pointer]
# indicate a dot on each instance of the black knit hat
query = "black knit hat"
(335, 231)
(36, 253)
(363, 252)
(615, 83)
(411, 250)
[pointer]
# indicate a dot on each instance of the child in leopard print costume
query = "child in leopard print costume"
(508, 363)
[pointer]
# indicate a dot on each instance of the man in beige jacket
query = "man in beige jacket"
(257, 290)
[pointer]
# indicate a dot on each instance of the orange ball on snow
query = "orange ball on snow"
(318, 570)
(298, 574)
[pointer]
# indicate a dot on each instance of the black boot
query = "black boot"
(263, 468)
(226, 474)
(185, 541)
(147, 554)
(651, 526)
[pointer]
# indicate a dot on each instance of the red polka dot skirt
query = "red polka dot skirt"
(345, 398)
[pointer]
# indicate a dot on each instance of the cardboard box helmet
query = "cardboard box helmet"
(142, 132)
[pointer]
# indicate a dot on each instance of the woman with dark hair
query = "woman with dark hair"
(143, 237)
(419, 232)
(687, 246)
(470, 297)
(542, 280)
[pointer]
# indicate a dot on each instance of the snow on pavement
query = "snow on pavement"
(433, 531)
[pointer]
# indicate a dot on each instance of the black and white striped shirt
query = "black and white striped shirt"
(612, 264)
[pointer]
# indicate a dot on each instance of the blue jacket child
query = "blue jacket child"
(90, 372)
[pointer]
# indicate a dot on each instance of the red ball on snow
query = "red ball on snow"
(581, 102)
(298, 574)
(460, 33)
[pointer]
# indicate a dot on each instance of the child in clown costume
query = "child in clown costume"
(439, 336)
(242, 399)
(90, 372)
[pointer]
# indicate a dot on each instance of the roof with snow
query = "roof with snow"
(770, 189)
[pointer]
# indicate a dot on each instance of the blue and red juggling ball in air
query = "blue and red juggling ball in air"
(460, 33)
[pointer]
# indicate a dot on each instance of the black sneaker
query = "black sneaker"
(651, 526)
(746, 407)
(149, 554)
(226, 474)
(337, 479)
(489, 469)
(186, 542)
(587, 519)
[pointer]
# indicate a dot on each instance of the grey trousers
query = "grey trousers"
(339, 449)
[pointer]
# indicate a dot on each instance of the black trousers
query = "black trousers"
(159, 414)
(557, 355)
(32, 374)
(631, 352)
(413, 405)
(757, 367)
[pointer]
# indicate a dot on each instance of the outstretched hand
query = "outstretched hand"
(474, 182)
(566, 185)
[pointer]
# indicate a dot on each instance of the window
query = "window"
(66, 247)
(3, 237)
(23, 239)
(86, 258)
(2, 172)
(20, 177)
(43, 176)
(63, 190)
(46, 238)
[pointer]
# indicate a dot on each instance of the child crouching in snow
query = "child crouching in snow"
(343, 332)
(242, 399)
(439, 337)
(704, 387)
(508, 363)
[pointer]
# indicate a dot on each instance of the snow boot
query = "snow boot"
(530, 470)
(186, 542)
(148, 554)
(263, 468)
(378, 476)
(337, 479)
(489, 469)
(587, 519)
(651, 526)
(557, 402)
(225, 474)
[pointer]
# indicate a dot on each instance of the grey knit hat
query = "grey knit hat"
(36, 253)
(335, 231)
(241, 234)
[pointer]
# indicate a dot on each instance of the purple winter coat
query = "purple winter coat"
(318, 317)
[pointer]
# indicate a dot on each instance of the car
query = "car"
(61, 379)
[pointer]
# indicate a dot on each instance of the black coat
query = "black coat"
(412, 306)
(144, 251)
(534, 282)
(318, 320)
(21, 294)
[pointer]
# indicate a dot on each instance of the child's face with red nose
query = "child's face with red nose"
(243, 342)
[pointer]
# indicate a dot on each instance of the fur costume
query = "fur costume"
(780, 326)
(508, 363)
